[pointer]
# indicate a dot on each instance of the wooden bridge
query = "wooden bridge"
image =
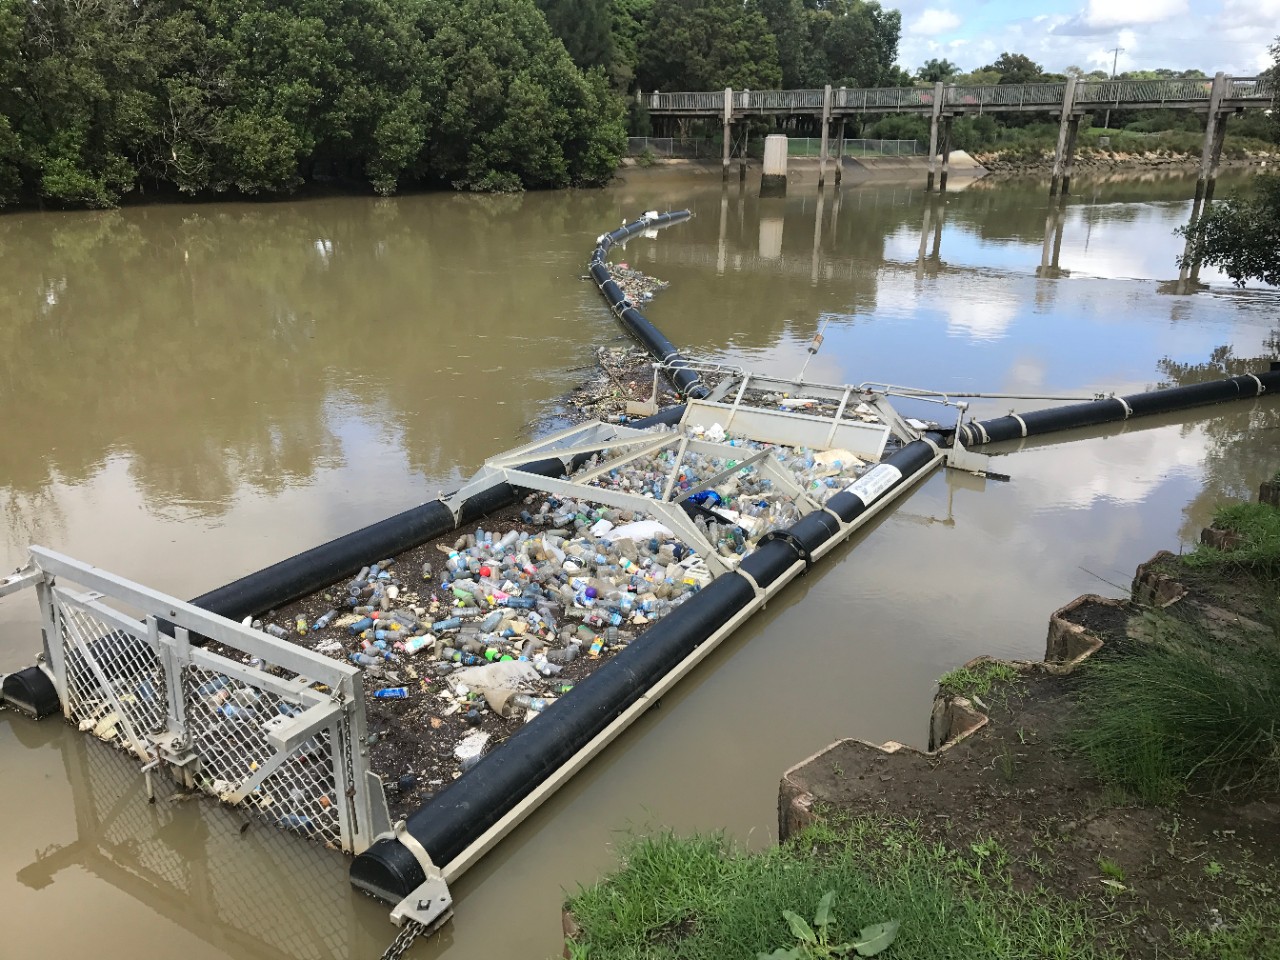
(1217, 98)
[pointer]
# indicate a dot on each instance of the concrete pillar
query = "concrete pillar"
(742, 155)
(826, 126)
(946, 153)
(1208, 167)
(773, 180)
(1073, 128)
(933, 134)
(728, 130)
(839, 158)
(1064, 121)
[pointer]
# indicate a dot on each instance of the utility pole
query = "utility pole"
(1106, 123)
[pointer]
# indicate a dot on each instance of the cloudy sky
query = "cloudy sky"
(1212, 35)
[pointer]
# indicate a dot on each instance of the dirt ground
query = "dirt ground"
(1145, 871)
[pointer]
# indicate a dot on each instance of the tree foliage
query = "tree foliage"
(101, 98)
(707, 45)
(1240, 235)
(1016, 68)
(937, 71)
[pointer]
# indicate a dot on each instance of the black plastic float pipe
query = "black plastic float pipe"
(1114, 409)
(461, 813)
(686, 380)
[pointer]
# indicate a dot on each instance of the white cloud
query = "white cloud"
(933, 21)
(1261, 13)
(1104, 14)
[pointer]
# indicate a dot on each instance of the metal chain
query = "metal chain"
(410, 931)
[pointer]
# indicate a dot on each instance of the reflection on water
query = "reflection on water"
(200, 390)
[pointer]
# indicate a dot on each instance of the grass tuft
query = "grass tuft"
(1259, 525)
(978, 679)
(1182, 712)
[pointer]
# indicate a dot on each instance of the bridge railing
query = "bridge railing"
(1142, 91)
(1006, 96)
(688, 102)
(879, 98)
(1251, 88)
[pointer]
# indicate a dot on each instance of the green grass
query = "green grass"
(1247, 929)
(1182, 712)
(700, 898)
(1259, 525)
(978, 679)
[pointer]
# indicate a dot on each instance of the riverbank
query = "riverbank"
(1017, 162)
(1066, 810)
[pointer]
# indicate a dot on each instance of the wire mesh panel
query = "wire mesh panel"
(115, 680)
(228, 721)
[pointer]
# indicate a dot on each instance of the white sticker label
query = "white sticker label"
(874, 482)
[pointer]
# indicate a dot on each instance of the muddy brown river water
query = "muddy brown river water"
(192, 392)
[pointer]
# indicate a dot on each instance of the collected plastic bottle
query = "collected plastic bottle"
(567, 655)
(457, 656)
(325, 619)
(414, 644)
(523, 701)
(597, 645)
(276, 630)
(364, 660)
(360, 626)
(449, 623)
(427, 572)
(392, 693)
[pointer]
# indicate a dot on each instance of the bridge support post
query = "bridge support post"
(1069, 163)
(826, 128)
(946, 152)
(933, 135)
(839, 157)
(728, 130)
(1215, 126)
(1064, 123)
(742, 153)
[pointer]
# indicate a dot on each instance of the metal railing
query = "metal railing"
(255, 721)
(1006, 96)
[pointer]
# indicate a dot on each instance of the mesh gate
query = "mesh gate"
(254, 721)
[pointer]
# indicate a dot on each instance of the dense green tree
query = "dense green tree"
(511, 108)
(789, 23)
(99, 98)
(852, 43)
(1016, 68)
(707, 45)
(585, 27)
(11, 154)
(1240, 235)
(629, 18)
(935, 71)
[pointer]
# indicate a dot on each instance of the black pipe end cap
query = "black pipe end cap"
(30, 691)
(387, 870)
